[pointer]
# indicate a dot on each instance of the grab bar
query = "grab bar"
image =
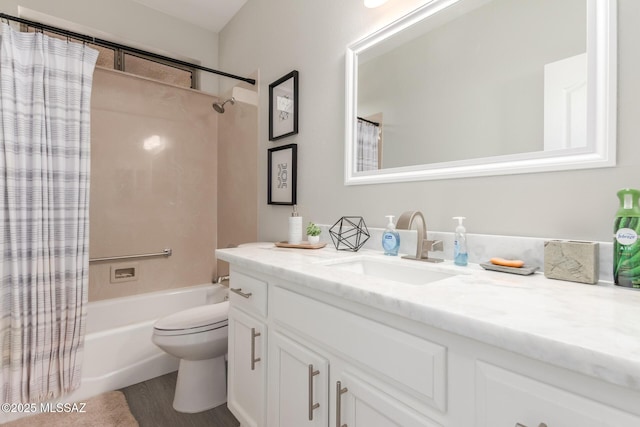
(165, 252)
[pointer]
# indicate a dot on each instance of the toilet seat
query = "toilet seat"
(194, 320)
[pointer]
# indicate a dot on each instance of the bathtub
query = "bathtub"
(118, 350)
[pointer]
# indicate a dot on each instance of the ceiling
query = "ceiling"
(212, 15)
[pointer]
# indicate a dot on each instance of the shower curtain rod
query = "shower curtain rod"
(107, 43)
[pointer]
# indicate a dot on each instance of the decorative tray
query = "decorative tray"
(301, 245)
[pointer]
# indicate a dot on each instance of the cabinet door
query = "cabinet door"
(359, 404)
(298, 381)
(247, 372)
(506, 399)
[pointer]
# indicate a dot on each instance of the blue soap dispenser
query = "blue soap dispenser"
(460, 243)
(390, 238)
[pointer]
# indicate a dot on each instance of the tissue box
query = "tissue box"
(570, 260)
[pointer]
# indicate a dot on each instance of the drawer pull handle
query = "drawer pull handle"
(539, 425)
(312, 405)
(339, 392)
(254, 359)
(239, 292)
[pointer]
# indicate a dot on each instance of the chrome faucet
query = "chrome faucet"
(405, 222)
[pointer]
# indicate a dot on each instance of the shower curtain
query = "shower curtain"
(368, 138)
(45, 93)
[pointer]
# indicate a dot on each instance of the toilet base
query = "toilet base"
(201, 385)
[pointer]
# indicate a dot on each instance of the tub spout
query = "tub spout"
(221, 279)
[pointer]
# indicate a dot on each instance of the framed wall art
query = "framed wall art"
(283, 106)
(282, 171)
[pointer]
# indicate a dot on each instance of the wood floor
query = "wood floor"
(151, 404)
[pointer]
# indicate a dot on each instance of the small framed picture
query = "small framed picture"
(283, 164)
(283, 106)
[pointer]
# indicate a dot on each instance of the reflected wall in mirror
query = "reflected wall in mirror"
(483, 87)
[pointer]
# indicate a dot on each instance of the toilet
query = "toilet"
(198, 337)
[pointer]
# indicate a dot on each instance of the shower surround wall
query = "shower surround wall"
(238, 172)
(153, 184)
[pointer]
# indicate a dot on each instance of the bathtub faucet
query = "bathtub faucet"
(221, 279)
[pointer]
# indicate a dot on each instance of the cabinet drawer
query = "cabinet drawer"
(505, 398)
(387, 351)
(248, 293)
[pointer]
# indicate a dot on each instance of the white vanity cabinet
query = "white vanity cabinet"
(307, 388)
(247, 353)
(317, 351)
(320, 360)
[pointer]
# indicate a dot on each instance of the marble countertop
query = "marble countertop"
(590, 329)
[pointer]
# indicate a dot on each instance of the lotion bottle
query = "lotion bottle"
(460, 243)
(390, 238)
(295, 227)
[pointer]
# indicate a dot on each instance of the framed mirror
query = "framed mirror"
(462, 88)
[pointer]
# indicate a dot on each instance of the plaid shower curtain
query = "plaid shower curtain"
(45, 94)
(367, 146)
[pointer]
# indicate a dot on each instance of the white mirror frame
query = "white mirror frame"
(601, 109)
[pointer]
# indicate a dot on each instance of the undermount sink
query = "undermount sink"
(396, 270)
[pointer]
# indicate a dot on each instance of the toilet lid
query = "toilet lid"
(200, 318)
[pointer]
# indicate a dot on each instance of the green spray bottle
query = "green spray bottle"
(626, 245)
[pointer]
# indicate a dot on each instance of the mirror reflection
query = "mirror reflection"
(483, 87)
(480, 79)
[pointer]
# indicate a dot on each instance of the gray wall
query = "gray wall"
(278, 36)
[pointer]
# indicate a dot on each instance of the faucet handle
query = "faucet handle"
(431, 245)
(437, 245)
